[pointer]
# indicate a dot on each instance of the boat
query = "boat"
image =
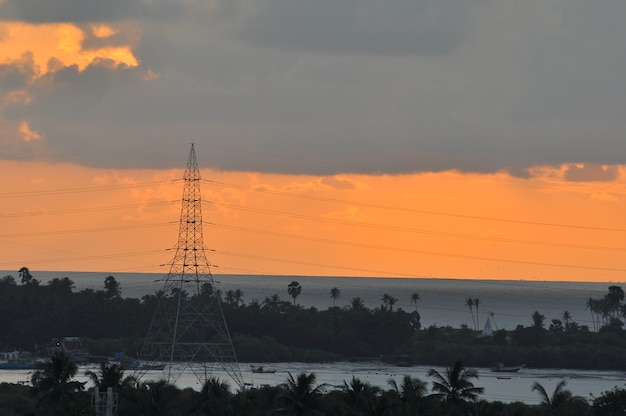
(19, 365)
(501, 368)
(261, 370)
(19, 360)
(132, 364)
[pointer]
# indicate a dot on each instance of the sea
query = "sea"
(442, 302)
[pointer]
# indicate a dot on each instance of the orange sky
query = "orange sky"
(448, 224)
(451, 225)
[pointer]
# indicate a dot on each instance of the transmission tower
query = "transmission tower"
(188, 332)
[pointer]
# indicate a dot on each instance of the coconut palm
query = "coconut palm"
(455, 384)
(476, 303)
(388, 302)
(335, 294)
(566, 318)
(560, 396)
(215, 398)
(53, 384)
(591, 306)
(300, 395)
(156, 398)
(361, 397)
(470, 304)
(110, 375)
(357, 304)
(410, 392)
(414, 298)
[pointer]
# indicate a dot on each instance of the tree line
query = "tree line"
(33, 313)
(455, 391)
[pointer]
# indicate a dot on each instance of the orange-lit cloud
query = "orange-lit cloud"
(61, 42)
(27, 134)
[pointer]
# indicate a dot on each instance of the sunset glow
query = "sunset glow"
(428, 143)
(448, 224)
(62, 42)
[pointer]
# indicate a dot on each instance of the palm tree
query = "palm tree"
(156, 398)
(591, 305)
(357, 304)
(455, 384)
(566, 318)
(388, 302)
(614, 299)
(300, 396)
(215, 398)
(559, 397)
(414, 298)
(470, 304)
(52, 382)
(110, 375)
(476, 303)
(410, 392)
(361, 397)
(294, 290)
(335, 294)
(238, 296)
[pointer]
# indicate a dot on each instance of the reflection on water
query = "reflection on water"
(587, 384)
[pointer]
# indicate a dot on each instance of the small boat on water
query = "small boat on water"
(501, 368)
(261, 370)
(19, 365)
(19, 360)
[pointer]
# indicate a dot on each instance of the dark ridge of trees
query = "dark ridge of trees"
(33, 314)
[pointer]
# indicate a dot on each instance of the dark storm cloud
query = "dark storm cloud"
(358, 26)
(16, 75)
(85, 11)
(37, 11)
(341, 86)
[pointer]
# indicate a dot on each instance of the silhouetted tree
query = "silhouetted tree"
(455, 384)
(54, 385)
(300, 395)
(294, 289)
(415, 297)
(112, 288)
(538, 320)
(476, 303)
(559, 398)
(335, 294)
(470, 304)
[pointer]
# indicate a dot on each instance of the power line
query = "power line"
(81, 210)
(413, 210)
(416, 230)
(62, 191)
(87, 230)
(397, 249)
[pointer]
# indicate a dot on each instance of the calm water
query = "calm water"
(442, 301)
(587, 384)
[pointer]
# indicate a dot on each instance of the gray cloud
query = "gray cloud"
(344, 86)
(591, 173)
(357, 26)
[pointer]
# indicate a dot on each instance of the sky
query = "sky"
(474, 139)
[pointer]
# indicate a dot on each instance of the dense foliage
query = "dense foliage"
(454, 392)
(32, 314)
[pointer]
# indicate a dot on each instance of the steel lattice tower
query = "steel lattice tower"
(188, 331)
